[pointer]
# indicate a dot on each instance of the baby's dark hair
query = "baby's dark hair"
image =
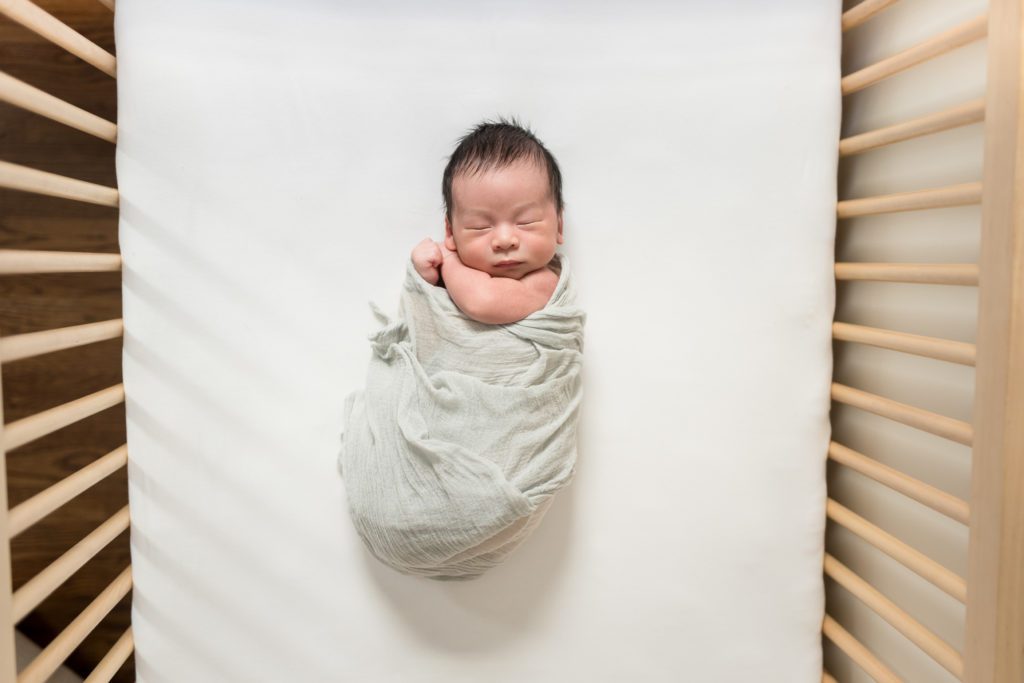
(497, 144)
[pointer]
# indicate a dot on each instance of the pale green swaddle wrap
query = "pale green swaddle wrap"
(464, 431)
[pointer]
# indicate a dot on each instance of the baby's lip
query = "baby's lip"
(507, 262)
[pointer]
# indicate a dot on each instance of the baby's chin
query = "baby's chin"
(513, 272)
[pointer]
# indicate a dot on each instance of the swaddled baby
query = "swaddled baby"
(467, 426)
(503, 220)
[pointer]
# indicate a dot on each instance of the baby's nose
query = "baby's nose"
(503, 235)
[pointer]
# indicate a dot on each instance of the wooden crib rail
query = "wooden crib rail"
(30, 98)
(994, 629)
(861, 12)
(15, 606)
(995, 608)
(25, 179)
(20, 432)
(26, 261)
(18, 346)
(958, 36)
(926, 273)
(917, 344)
(933, 198)
(919, 418)
(953, 117)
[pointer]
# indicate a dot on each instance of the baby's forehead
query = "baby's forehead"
(532, 186)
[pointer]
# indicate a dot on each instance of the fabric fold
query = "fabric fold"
(464, 430)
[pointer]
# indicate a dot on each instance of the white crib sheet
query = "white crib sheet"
(277, 162)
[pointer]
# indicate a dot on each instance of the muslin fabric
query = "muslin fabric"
(464, 431)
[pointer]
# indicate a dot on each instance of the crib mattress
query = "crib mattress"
(278, 161)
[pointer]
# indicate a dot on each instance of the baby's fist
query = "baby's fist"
(426, 258)
(426, 254)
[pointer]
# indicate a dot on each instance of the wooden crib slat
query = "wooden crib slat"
(967, 32)
(42, 585)
(856, 651)
(21, 432)
(919, 345)
(935, 647)
(913, 559)
(861, 12)
(25, 179)
(30, 262)
(920, 273)
(32, 99)
(114, 659)
(936, 499)
(31, 344)
(916, 200)
(60, 648)
(919, 418)
(35, 19)
(27, 513)
(953, 117)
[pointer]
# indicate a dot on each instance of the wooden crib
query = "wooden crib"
(64, 559)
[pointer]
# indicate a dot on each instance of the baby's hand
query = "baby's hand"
(426, 259)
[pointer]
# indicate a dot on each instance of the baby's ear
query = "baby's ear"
(449, 239)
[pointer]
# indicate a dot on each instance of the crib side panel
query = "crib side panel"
(995, 607)
(907, 244)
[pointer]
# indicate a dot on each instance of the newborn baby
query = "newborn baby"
(503, 221)
(464, 432)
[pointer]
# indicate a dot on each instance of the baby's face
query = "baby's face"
(504, 214)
